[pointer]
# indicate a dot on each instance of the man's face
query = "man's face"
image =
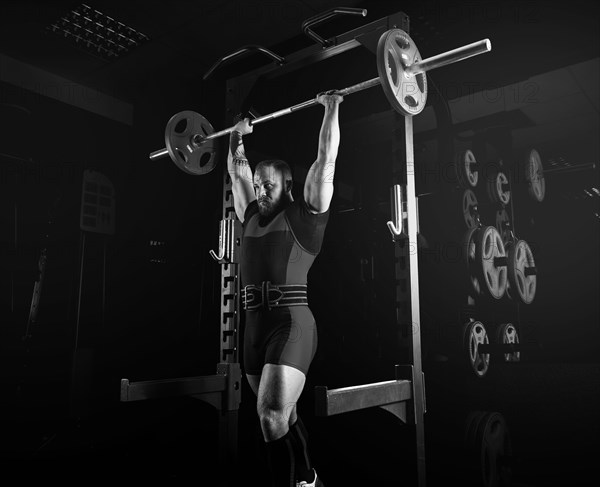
(269, 188)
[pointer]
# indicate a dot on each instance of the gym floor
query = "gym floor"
(554, 438)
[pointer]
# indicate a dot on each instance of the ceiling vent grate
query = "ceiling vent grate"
(97, 33)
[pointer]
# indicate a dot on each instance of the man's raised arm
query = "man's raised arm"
(318, 187)
(239, 169)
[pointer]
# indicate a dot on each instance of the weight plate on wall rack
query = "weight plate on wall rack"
(467, 172)
(522, 272)
(475, 334)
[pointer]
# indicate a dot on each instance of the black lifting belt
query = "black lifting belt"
(269, 296)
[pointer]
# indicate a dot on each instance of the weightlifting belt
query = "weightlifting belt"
(268, 296)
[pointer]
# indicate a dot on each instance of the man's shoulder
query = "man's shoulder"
(300, 216)
(301, 205)
(251, 210)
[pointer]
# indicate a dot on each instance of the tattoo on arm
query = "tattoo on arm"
(240, 167)
(236, 146)
(325, 173)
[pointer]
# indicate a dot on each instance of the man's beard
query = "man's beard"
(267, 207)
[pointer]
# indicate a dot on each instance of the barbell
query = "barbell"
(189, 137)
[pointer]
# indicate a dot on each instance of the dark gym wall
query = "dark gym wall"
(46, 147)
(152, 318)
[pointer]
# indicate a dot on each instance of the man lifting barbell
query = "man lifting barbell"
(281, 238)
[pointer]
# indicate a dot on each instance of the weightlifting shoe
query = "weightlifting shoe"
(315, 483)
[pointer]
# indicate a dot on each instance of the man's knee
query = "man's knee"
(274, 422)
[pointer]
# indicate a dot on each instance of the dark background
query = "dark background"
(538, 87)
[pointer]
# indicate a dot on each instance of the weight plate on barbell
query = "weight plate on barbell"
(497, 188)
(490, 261)
(192, 157)
(470, 209)
(466, 169)
(406, 93)
(534, 176)
(474, 335)
(522, 273)
(507, 333)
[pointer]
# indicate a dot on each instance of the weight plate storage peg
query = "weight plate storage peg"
(467, 173)
(184, 139)
(498, 188)
(489, 449)
(507, 334)
(522, 273)
(475, 334)
(406, 92)
(490, 260)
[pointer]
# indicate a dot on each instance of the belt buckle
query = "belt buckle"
(265, 295)
(267, 287)
(249, 304)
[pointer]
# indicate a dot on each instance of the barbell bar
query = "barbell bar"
(401, 74)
